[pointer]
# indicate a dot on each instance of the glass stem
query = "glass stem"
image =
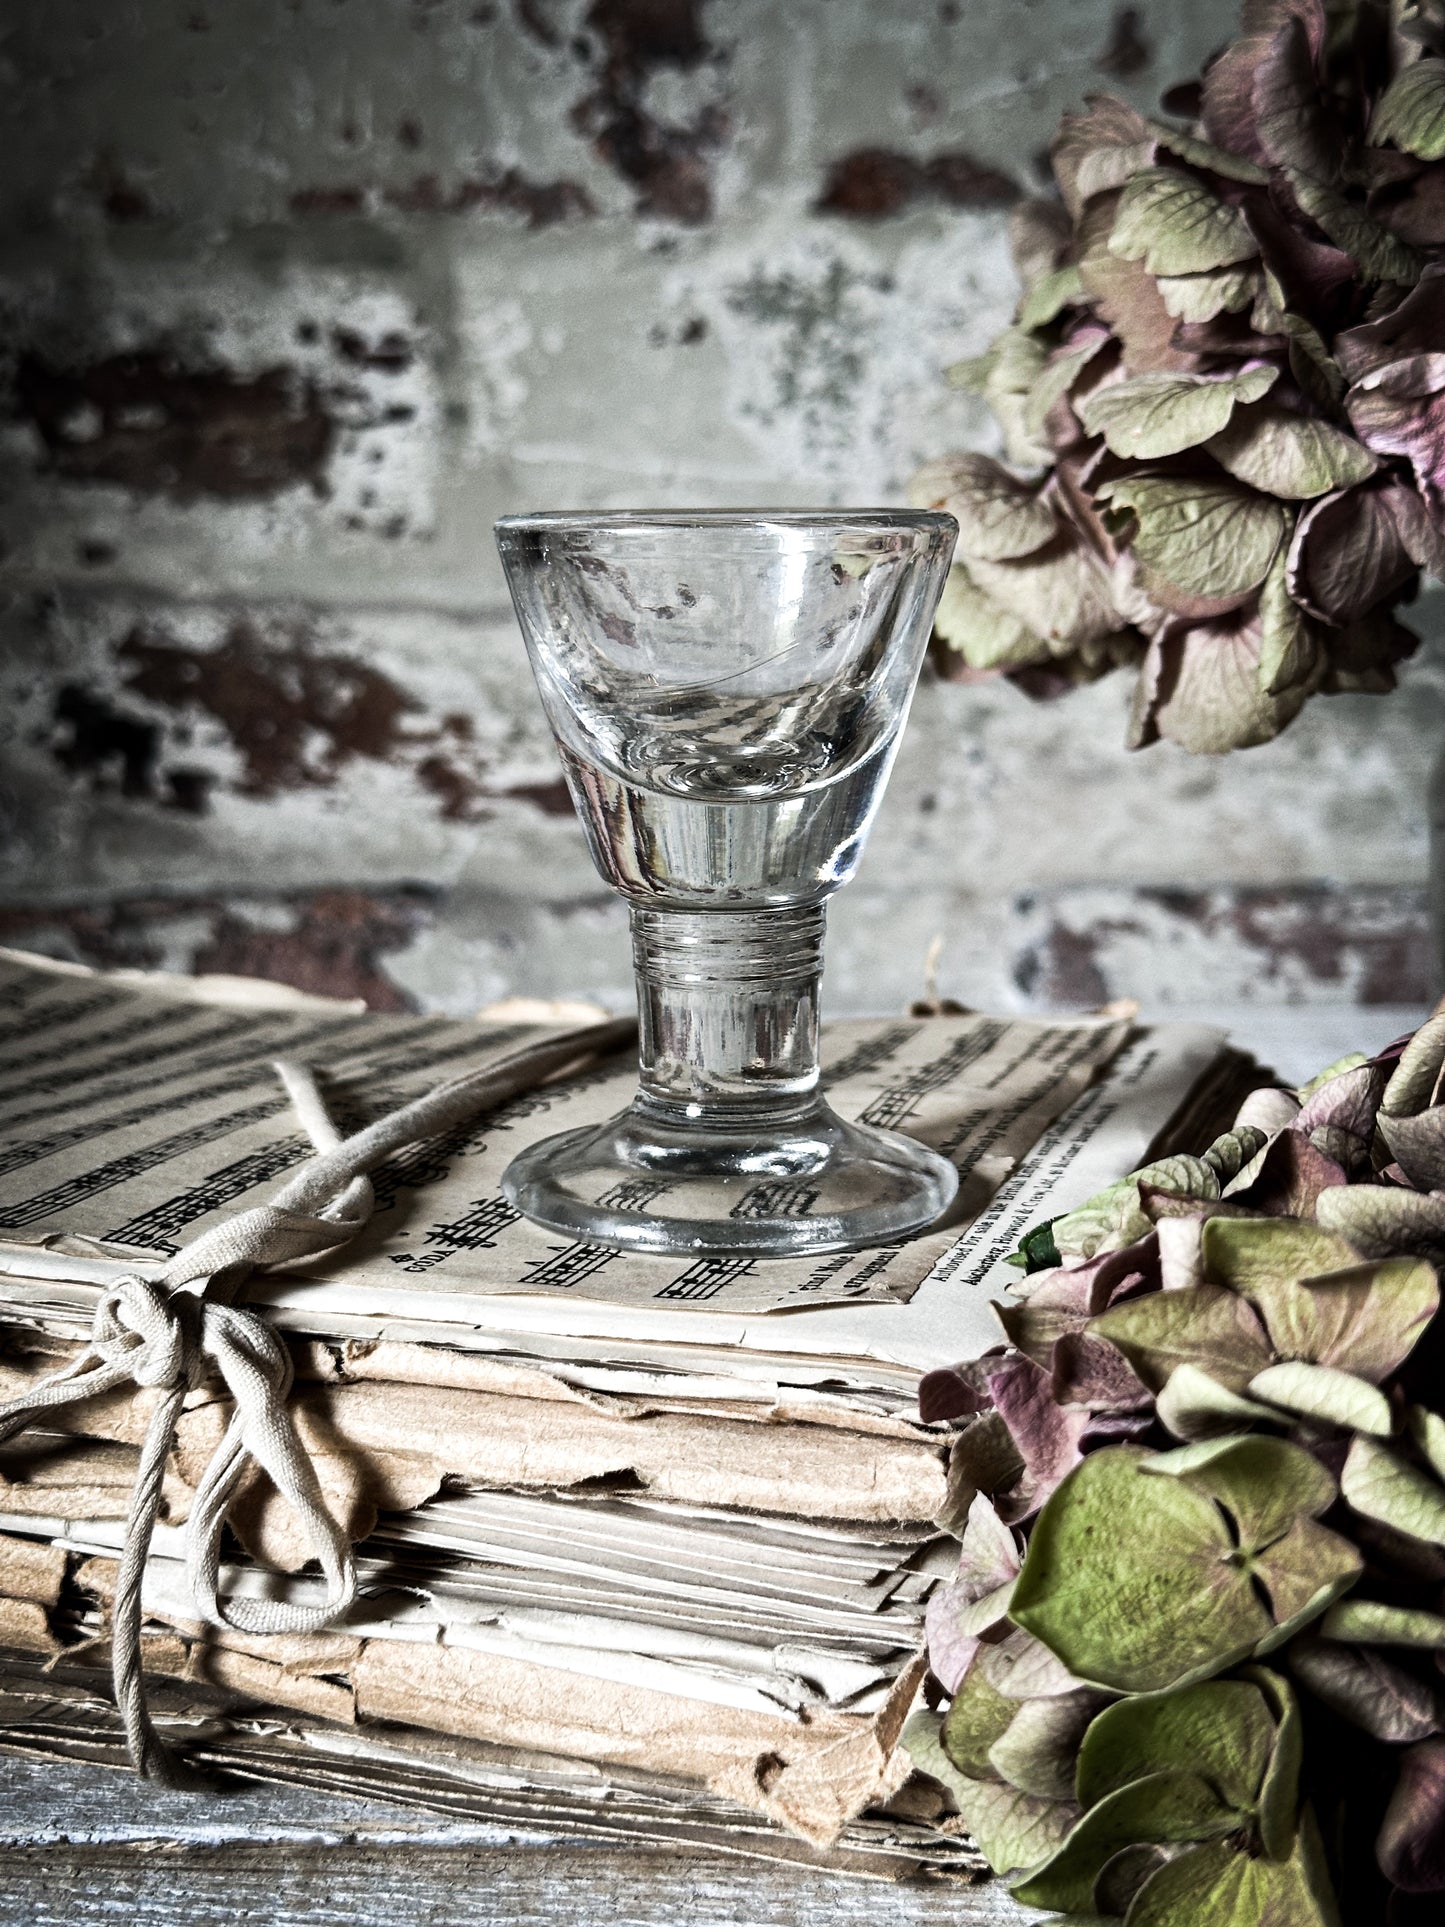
(728, 1011)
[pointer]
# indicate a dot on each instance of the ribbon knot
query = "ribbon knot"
(136, 1330)
(167, 1334)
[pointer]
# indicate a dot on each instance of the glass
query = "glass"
(727, 692)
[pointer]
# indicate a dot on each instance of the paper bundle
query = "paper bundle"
(644, 1545)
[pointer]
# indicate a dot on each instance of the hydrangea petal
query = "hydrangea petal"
(1163, 414)
(1061, 592)
(1338, 1115)
(1416, 1079)
(998, 516)
(1279, 1808)
(1036, 1753)
(1289, 1180)
(1325, 1393)
(1423, 540)
(1381, 255)
(1161, 1806)
(1204, 154)
(1346, 555)
(1366, 1319)
(1400, 410)
(1215, 1885)
(1039, 233)
(1058, 375)
(978, 1716)
(1413, 206)
(1194, 1405)
(1200, 297)
(1126, 296)
(1265, 1483)
(1209, 695)
(1411, 1843)
(1228, 116)
(973, 626)
(1046, 1434)
(1220, 1729)
(1385, 1487)
(1013, 1829)
(1293, 456)
(1024, 1668)
(1201, 1325)
(1411, 111)
(1427, 1429)
(1046, 300)
(1414, 326)
(1368, 1622)
(1295, 129)
(1382, 1699)
(1417, 1145)
(1175, 225)
(1290, 651)
(1311, 274)
(1384, 1220)
(1254, 1255)
(1100, 149)
(1203, 536)
(920, 1740)
(1268, 1109)
(1143, 1584)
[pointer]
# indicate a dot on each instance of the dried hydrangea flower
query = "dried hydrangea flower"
(1206, 1515)
(1225, 383)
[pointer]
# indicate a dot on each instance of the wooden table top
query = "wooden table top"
(85, 1845)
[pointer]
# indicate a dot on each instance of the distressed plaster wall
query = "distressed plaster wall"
(299, 295)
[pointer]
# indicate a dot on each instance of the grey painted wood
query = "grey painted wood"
(83, 1845)
(52, 1803)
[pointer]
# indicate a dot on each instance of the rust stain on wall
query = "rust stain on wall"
(115, 749)
(1375, 943)
(121, 197)
(149, 424)
(346, 199)
(104, 743)
(552, 799)
(1126, 52)
(392, 353)
(872, 183)
(335, 948)
(332, 942)
(540, 204)
(668, 163)
(1064, 968)
(1351, 943)
(296, 714)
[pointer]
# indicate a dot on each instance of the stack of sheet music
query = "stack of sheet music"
(645, 1545)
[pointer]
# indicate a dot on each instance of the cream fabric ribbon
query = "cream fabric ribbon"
(169, 1333)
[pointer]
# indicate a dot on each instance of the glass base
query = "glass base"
(780, 1189)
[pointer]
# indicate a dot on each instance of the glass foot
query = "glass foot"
(812, 1183)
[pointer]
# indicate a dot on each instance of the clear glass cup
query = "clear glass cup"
(727, 690)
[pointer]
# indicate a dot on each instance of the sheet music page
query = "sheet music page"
(139, 1119)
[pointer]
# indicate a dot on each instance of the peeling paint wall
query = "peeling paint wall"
(297, 296)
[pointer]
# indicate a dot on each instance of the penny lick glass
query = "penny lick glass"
(727, 691)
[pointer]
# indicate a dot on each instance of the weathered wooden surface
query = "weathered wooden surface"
(81, 1845)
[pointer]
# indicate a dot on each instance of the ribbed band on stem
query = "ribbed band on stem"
(728, 1006)
(700, 947)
